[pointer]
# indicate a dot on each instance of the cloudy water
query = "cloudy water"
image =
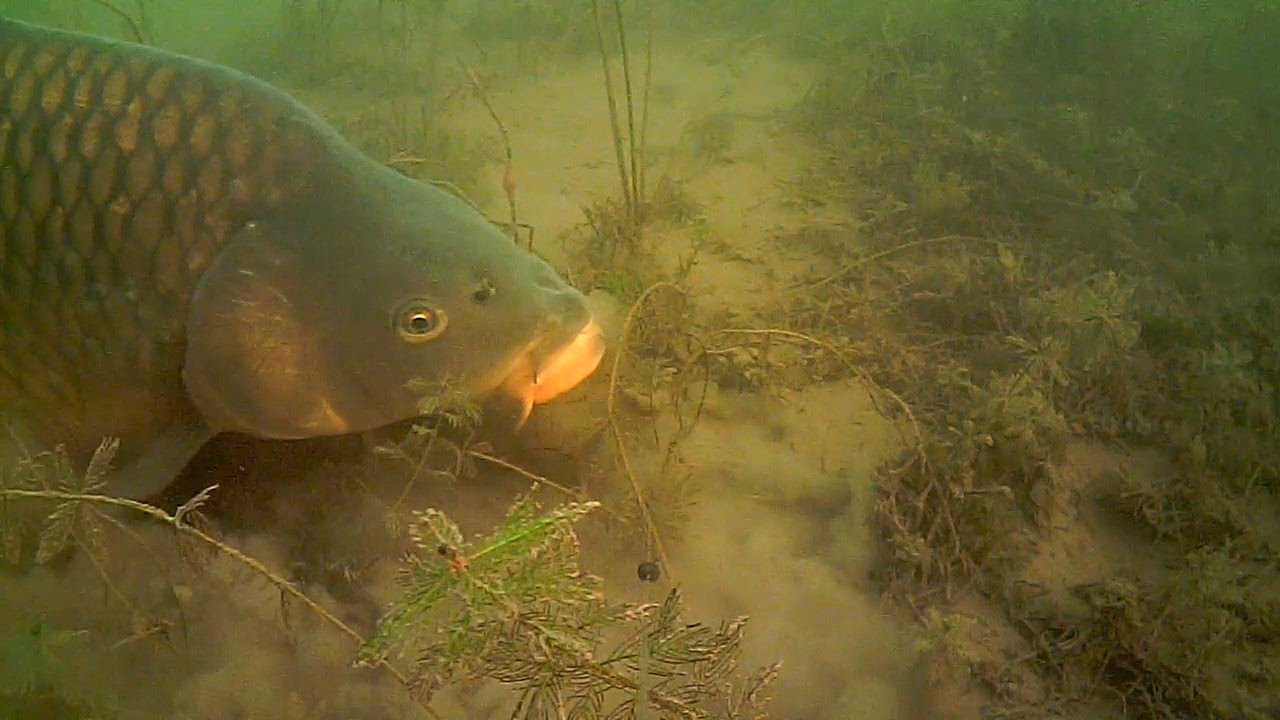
(941, 377)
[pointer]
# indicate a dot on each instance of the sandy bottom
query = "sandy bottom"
(778, 524)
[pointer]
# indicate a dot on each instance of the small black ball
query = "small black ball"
(649, 571)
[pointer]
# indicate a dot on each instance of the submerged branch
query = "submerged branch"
(178, 522)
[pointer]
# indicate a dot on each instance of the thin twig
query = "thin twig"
(613, 109)
(534, 477)
(644, 100)
(508, 173)
(106, 579)
(155, 558)
(846, 361)
(842, 272)
(457, 192)
(611, 404)
(418, 467)
(176, 521)
(133, 26)
(631, 113)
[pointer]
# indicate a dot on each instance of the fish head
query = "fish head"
(337, 320)
(473, 310)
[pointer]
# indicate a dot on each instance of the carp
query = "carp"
(186, 250)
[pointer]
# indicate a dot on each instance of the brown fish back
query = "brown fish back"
(123, 171)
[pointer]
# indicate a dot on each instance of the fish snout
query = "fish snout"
(569, 349)
(572, 343)
(560, 308)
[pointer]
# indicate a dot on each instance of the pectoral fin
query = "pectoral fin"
(255, 363)
(162, 461)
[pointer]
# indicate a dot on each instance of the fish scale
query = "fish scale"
(185, 251)
(97, 191)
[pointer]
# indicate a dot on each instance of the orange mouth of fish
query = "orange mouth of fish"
(538, 379)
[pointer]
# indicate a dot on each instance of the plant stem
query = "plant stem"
(644, 99)
(631, 113)
(508, 175)
(178, 523)
(134, 29)
(651, 528)
(613, 109)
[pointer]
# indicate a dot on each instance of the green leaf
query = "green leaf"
(56, 535)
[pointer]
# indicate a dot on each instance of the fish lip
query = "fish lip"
(554, 366)
(571, 363)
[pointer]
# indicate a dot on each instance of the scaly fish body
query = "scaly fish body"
(186, 250)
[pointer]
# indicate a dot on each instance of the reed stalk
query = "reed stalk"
(629, 154)
(613, 108)
(644, 97)
(631, 112)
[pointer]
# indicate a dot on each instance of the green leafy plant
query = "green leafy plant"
(31, 675)
(515, 607)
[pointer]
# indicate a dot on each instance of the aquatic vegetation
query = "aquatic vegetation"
(709, 137)
(1043, 258)
(520, 591)
(31, 675)
(513, 607)
(1056, 234)
(630, 155)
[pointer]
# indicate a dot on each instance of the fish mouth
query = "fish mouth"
(539, 377)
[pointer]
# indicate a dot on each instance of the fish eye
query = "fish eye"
(418, 322)
(483, 291)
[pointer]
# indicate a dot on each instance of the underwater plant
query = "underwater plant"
(513, 607)
(1049, 258)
